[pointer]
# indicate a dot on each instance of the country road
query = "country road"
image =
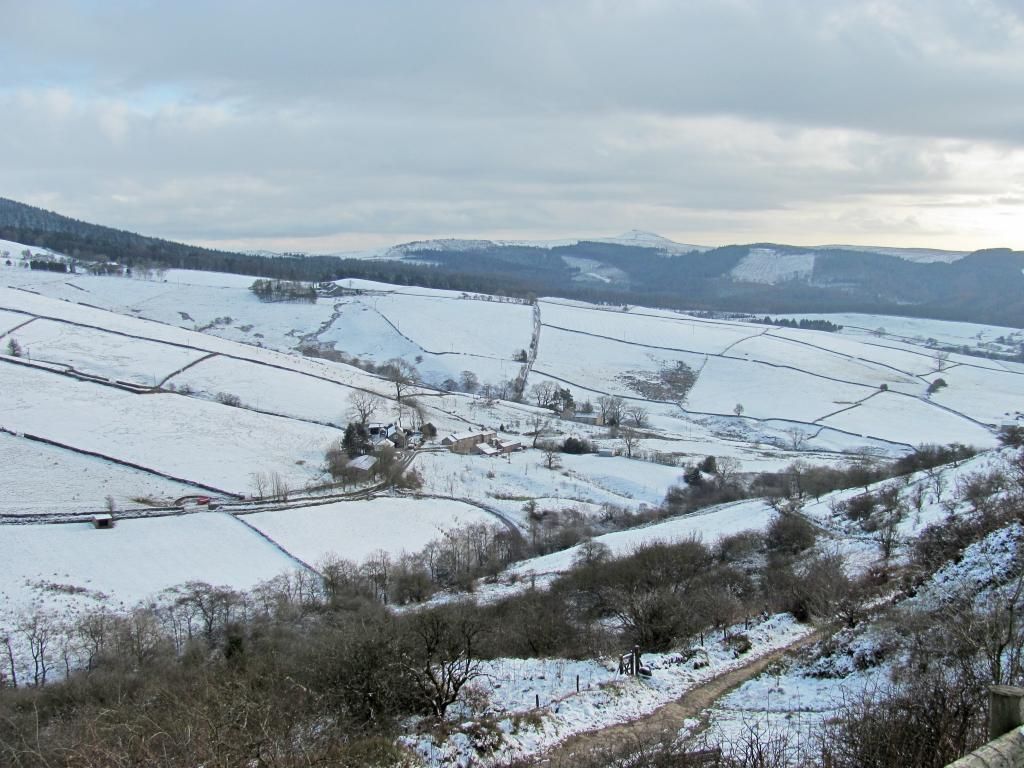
(666, 721)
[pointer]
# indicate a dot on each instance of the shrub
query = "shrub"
(789, 533)
(577, 446)
(1012, 435)
(226, 398)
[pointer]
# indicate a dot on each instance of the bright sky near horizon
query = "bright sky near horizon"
(330, 126)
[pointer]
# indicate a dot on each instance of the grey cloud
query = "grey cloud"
(933, 68)
(234, 119)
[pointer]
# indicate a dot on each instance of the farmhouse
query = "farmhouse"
(463, 442)
(382, 436)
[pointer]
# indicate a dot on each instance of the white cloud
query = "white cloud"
(342, 123)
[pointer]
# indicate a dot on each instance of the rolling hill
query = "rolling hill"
(637, 267)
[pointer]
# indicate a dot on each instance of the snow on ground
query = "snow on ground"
(40, 478)
(104, 354)
(916, 330)
(508, 483)
(45, 564)
(599, 364)
(362, 332)
(16, 251)
(8, 321)
(356, 530)
(926, 496)
(897, 359)
(990, 396)
(752, 459)
(273, 390)
(442, 336)
(708, 525)
(787, 700)
(653, 328)
(795, 698)
(768, 392)
(486, 328)
(900, 418)
(835, 357)
(605, 698)
(190, 439)
(33, 305)
(766, 265)
(209, 279)
(193, 306)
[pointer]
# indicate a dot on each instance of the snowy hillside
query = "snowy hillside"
(134, 393)
(765, 265)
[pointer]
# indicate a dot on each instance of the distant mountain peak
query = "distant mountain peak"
(642, 234)
(640, 238)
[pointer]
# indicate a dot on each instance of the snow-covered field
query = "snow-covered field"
(99, 353)
(916, 330)
(189, 439)
(50, 565)
(507, 483)
(31, 471)
(896, 417)
(355, 530)
(767, 392)
(673, 331)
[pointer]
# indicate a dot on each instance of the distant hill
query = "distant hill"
(636, 268)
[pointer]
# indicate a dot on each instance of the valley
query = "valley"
(135, 396)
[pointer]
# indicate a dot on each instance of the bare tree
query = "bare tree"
(38, 632)
(539, 425)
(364, 405)
(886, 522)
(401, 373)
(797, 438)
(469, 381)
(278, 486)
(630, 440)
(440, 654)
(9, 647)
(726, 468)
(638, 414)
(611, 408)
(738, 409)
(259, 484)
(552, 459)
(543, 392)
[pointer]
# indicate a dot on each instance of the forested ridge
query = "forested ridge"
(982, 287)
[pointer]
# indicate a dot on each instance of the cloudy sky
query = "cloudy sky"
(343, 125)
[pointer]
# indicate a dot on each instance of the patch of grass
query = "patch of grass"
(671, 383)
